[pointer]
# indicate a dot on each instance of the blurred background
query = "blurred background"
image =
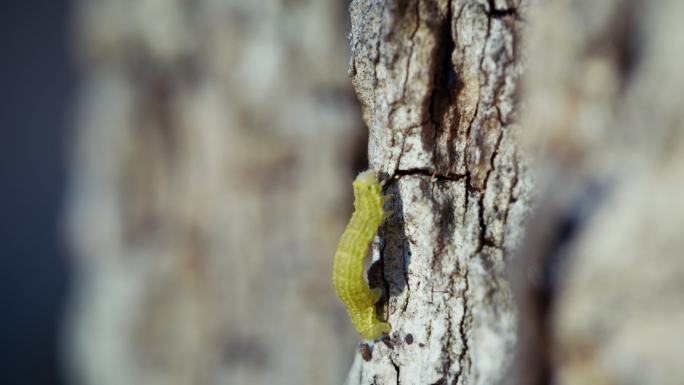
(38, 85)
(176, 175)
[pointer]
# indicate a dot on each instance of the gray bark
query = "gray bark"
(437, 83)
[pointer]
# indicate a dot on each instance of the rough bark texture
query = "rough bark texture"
(604, 116)
(437, 82)
(210, 183)
(209, 178)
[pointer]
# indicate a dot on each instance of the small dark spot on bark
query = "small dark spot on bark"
(366, 352)
(387, 341)
(422, 345)
(408, 339)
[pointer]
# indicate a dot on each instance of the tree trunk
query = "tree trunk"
(599, 275)
(437, 83)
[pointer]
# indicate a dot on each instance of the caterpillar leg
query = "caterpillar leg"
(376, 293)
(375, 330)
(381, 328)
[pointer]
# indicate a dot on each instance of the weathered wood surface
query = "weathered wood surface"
(437, 82)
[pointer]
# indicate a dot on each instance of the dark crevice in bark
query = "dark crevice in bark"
(396, 369)
(482, 236)
(484, 240)
(468, 191)
(462, 357)
(376, 61)
(429, 173)
(410, 55)
(501, 13)
(446, 349)
(444, 80)
(511, 191)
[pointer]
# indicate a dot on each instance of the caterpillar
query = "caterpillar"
(348, 280)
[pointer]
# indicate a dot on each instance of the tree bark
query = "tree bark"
(437, 82)
(210, 169)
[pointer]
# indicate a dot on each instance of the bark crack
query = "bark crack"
(462, 357)
(429, 173)
(443, 80)
(410, 55)
(376, 60)
(484, 240)
(511, 191)
(447, 345)
(396, 369)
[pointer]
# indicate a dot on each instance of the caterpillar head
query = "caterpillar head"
(367, 183)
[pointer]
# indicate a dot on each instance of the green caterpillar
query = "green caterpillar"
(348, 269)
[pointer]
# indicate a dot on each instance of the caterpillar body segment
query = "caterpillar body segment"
(350, 285)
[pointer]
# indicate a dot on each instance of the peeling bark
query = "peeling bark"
(437, 82)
